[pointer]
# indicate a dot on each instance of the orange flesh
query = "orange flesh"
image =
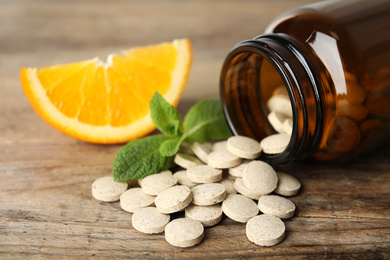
(115, 94)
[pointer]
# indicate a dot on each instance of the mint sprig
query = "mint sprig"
(153, 154)
(205, 121)
(165, 116)
(140, 158)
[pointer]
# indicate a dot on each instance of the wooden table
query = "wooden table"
(46, 207)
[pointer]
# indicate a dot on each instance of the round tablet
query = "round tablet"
(173, 199)
(244, 147)
(229, 186)
(222, 160)
(156, 183)
(280, 103)
(182, 179)
(184, 232)
(134, 199)
(287, 185)
(240, 187)
(238, 170)
(208, 194)
(204, 174)
(239, 208)
(277, 206)
(201, 150)
(276, 120)
(260, 177)
(186, 160)
(275, 144)
(149, 220)
(106, 189)
(207, 215)
(265, 230)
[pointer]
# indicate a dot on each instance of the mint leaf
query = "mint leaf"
(153, 154)
(170, 147)
(165, 116)
(205, 121)
(140, 158)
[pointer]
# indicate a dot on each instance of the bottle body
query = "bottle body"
(333, 58)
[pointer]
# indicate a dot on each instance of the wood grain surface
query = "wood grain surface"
(46, 207)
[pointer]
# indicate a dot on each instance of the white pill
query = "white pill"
(244, 147)
(182, 179)
(281, 104)
(238, 170)
(239, 208)
(265, 230)
(229, 186)
(219, 146)
(156, 183)
(276, 120)
(240, 186)
(277, 206)
(260, 177)
(106, 189)
(207, 215)
(201, 150)
(275, 144)
(208, 194)
(186, 160)
(204, 174)
(222, 160)
(134, 199)
(288, 126)
(184, 232)
(173, 199)
(287, 185)
(149, 220)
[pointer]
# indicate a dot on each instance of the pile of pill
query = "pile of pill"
(347, 129)
(220, 178)
(280, 115)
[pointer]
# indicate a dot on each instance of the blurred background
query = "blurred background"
(44, 32)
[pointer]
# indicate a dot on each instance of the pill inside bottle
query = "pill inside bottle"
(320, 74)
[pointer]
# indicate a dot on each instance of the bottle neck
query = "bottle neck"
(250, 72)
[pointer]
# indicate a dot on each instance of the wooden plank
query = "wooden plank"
(46, 207)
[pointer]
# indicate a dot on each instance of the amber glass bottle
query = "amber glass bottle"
(333, 58)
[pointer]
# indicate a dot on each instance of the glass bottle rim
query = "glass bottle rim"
(285, 57)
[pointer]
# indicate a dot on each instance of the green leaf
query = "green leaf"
(206, 121)
(171, 147)
(140, 158)
(165, 116)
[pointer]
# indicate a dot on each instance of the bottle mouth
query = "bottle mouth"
(266, 87)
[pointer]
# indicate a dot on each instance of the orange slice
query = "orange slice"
(109, 102)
